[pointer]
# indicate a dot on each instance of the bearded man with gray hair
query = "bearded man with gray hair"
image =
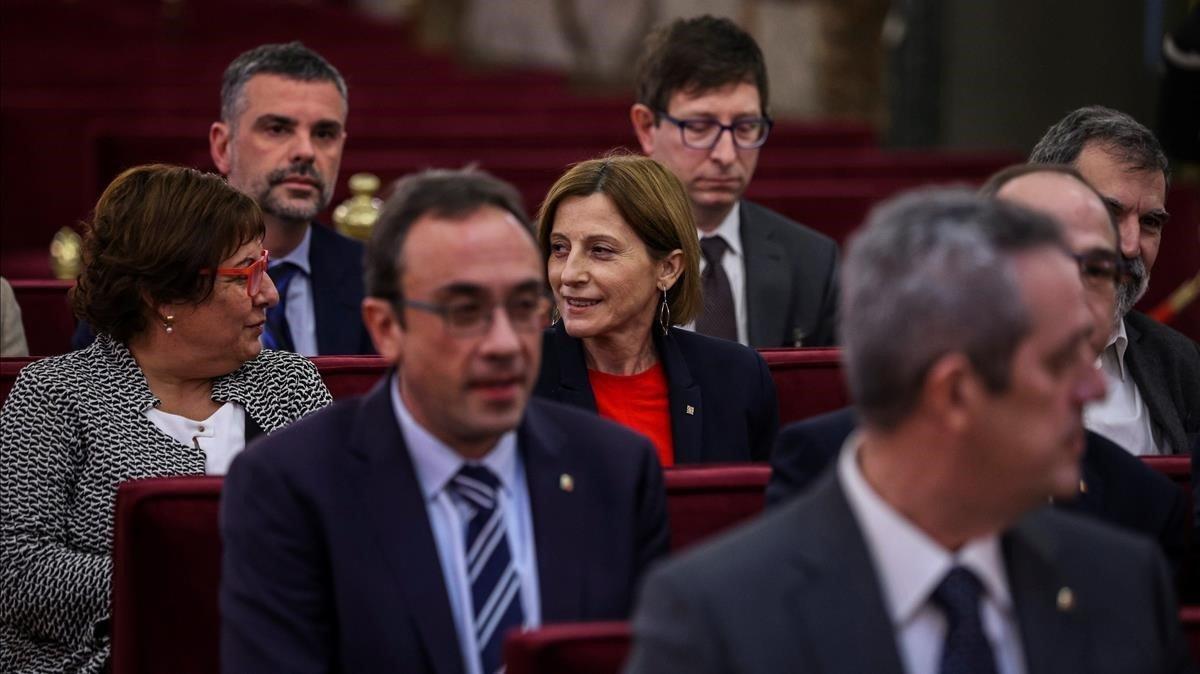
(1152, 371)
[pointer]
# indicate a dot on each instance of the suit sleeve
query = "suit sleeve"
(1178, 658)
(653, 530)
(764, 416)
(49, 588)
(670, 631)
(276, 613)
(826, 333)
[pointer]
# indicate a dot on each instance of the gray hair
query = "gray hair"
(439, 192)
(1118, 133)
(931, 274)
(291, 60)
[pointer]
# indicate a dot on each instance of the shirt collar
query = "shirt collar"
(436, 464)
(909, 563)
(730, 229)
(299, 254)
(1117, 344)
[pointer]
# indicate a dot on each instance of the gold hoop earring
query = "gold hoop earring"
(168, 323)
(664, 314)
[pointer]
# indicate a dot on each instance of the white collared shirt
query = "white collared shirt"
(1122, 416)
(435, 465)
(910, 565)
(734, 263)
(221, 436)
(300, 314)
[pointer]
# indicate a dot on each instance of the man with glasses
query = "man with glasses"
(412, 529)
(701, 110)
(1152, 371)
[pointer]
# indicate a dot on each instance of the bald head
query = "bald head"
(1087, 227)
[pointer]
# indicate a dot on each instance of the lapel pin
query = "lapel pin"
(1065, 599)
(1082, 486)
(690, 410)
(566, 482)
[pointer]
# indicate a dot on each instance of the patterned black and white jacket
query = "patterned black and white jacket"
(72, 429)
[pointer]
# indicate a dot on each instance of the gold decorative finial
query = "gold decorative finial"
(355, 216)
(66, 254)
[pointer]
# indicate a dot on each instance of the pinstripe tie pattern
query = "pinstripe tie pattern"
(495, 585)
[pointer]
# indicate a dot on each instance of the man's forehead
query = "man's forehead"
(697, 100)
(488, 247)
(269, 93)
(1073, 204)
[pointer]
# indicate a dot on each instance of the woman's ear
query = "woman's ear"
(669, 269)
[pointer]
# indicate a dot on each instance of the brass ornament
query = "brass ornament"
(356, 216)
(66, 254)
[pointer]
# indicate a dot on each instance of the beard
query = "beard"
(289, 210)
(1133, 287)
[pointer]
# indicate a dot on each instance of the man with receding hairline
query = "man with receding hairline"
(1152, 371)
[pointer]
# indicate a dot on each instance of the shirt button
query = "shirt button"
(200, 428)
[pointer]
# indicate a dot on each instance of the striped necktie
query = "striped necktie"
(495, 585)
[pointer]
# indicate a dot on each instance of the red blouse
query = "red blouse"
(637, 401)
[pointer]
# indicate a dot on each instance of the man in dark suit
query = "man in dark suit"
(768, 281)
(929, 547)
(280, 140)
(411, 529)
(1152, 371)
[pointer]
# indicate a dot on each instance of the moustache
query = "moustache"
(301, 169)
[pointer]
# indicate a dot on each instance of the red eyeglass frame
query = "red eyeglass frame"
(253, 273)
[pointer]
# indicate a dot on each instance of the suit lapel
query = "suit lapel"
(333, 311)
(684, 401)
(1052, 638)
(1150, 376)
(395, 506)
(573, 387)
(767, 280)
(555, 506)
(835, 589)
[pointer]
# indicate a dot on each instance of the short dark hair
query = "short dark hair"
(1116, 132)
(438, 192)
(652, 201)
(291, 60)
(928, 275)
(696, 55)
(152, 233)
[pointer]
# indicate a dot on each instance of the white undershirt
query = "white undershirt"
(220, 437)
(734, 264)
(910, 565)
(1122, 416)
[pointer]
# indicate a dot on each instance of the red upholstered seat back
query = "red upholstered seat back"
(705, 500)
(348, 376)
(1189, 616)
(579, 648)
(808, 382)
(166, 571)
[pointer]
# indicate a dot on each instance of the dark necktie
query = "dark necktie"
(718, 318)
(495, 585)
(967, 650)
(277, 334)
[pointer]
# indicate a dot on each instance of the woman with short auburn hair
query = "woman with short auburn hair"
(623, 258)
(176, 383)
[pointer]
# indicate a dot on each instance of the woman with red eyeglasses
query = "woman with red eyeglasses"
(176, 383)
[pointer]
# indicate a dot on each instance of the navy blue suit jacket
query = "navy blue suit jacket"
(330, 562)
(726, 386)
(337, 289)
(1116, 486)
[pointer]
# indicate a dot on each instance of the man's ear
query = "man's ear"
(642, 118)
(382, 323)
(952, 392)
(219, 135)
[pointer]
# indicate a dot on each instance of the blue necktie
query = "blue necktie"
(495, 585)
(277, 334)
(967, 650)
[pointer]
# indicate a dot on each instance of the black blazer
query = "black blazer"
(1165, 365)
(721, 394)
(795, 591)
(791, 280)
(1116, 486)
(330, 563)
(336, 263)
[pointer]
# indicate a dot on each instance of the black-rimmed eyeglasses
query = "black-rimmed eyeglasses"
(1101, 266)
(470, 317)
(704, 134)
